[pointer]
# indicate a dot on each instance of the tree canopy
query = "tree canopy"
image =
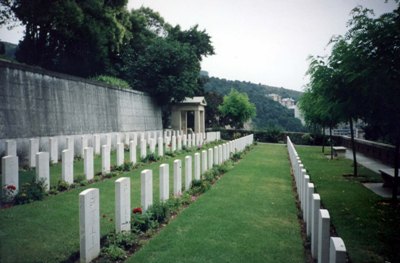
(237, 108)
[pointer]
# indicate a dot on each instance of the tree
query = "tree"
(76, 37)
(237, 108)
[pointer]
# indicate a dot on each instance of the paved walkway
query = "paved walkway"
(373, 165)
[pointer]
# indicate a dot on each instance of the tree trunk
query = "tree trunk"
(396, 170)
(323, 139)
(353, 146)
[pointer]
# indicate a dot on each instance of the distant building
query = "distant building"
(275, 97)
(288, 103)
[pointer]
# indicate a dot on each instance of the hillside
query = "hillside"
(9, 50)
(269, 113)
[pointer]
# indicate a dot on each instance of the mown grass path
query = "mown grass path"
(249, 215)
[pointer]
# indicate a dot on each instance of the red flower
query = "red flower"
(11, 187)
(137, 210)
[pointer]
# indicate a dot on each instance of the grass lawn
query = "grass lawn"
(48, 230)
(366, 222)
(249, 215)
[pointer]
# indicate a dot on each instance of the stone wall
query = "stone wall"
(38, 103)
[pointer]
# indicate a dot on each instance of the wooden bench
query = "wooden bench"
(388, 177)
(339, 151)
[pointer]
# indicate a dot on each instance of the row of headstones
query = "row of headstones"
(89, 205)
(324, 248)
(42, 159)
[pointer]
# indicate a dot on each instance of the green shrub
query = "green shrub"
(78, 179)
(124, 240)
(32, 191)
(143, 222)
(199, 187)
(186, 199)
(159, 212)
(113, 81)
(237, 156)
(113, 253)
(173, 204)
(62, 186)
(125, 167)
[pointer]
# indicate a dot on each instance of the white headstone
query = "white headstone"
(9, 171)
(67, 167)
(143, 149)
(146, 194)
(108, 140)
(189, 141)
(194, 140)
(33, 149)
(117, 139)
(216, 159)
(105, 159)
(89, 224)
(11, 147)
(152, 146)
(43, 168)
(123, 204)
(179, 138)
(120, 154)
(220, 159)
(184, 140)
(164, 182)
(173, 143)
(88, 163)
(188, 172)
(177, 177)
(337, 251)
(160, 145)
(316, 203)
(70, 144)
(97, 144)
(309, 201)
(210, 158)
(84, 144)
(132, 152)
(204, 162)
(126, 138)
(53, 148)
(323, 236)
(197, 166)
(305, 190)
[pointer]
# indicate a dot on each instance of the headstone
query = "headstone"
(126, 138)
(184, 140)
(204, 162)
(143, 149)
(210, 158)
(216, 159)
(177, 177)
(179, 138)
(160, 145)
(309, 208)
(337, 251)
(323, 236)
(53, 148)
(123, 204)
(67, 167)
(197, 166)
(223, 152)
(164, 182)
(117, 139)
(316, 203)
(305, 190)
(108, 140)
(33, 149)
(43, 168)
(173, 143)
(152, 146)
(84, 144)
(220, 161)
(11, 147)
(188, 172)
(9, 171)
(97, 144)
(132, 152)
(70, 144)
(146, 194)
(105, 159)
(89, 224)
(88, 164)
(194, 140)
(189, 141)
(120, 154)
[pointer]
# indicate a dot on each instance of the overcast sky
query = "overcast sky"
(261, 41)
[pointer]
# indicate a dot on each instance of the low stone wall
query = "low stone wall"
(36, 103)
